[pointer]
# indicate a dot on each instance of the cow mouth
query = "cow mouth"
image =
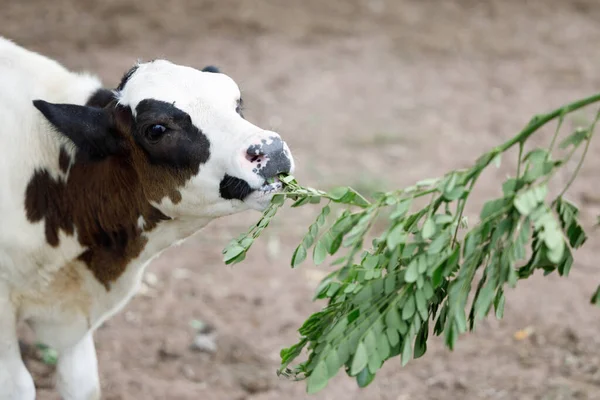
(272, 185)
(259, 199)
(235, 188)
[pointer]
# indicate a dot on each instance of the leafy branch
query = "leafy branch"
(418, 272)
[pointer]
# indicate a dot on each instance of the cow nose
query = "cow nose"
(270, 157)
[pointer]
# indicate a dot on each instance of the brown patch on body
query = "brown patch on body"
(102, 201)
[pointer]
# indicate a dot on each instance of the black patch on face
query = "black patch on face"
(183, 145)
(234, 188)
(126, 77)
(100, 98)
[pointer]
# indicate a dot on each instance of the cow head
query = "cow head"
(182, 130)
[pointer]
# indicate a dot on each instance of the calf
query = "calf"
(95, 183)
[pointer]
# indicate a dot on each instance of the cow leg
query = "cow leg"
(77, 371)
(16, 382)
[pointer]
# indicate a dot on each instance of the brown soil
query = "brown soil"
(372, 93)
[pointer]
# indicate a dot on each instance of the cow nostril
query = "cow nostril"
(255, 158)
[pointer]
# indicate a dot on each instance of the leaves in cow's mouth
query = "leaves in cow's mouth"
(236, 250)
(417, 274)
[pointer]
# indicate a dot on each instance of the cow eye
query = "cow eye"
(155, 132)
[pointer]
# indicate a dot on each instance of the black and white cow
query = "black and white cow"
(95, 183)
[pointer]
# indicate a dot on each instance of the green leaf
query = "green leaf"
(370, 261)
(383, 346)
(359, 360)
(490, 207)
(278, 199)
(421, 264)
(537, 165)
(565, 265)
(319, 253)
(408, 250)
(314, 199)
(409, 308)
(338, 193)
(420, 281)
(363, 295)
(596, 297)
(527, 201)
(406, 351)
(401, 209)
(439, 243)
(396, 236)
(333, 363)
(370, 342)
(438, 275)
(313, 230)
(343, 351)
(455, 193)
(421, 342)
(499, 304)
(374, 362)
(232, 253)
(443, 219)
(332, 289)
(484, 301)
(392, 318)
(428, 290)
(323, 215)
(412, 272)
(392, 335)
(298, 256)
(428, 228)
(335, 244)
(575, 138)
(309, 239)
(540, 193)
(421, 304)
(577, 237)
(300, 202)
(427, 182)
(287, 179)
(343, 224)
(509, 187)
(451, 336)
(568, 218)
(497, 160)
(389, 283)
(318, 378)
(450, 183)
(364, 378)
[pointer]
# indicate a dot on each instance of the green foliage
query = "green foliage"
(418, 272)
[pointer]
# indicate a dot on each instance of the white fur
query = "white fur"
(57, 296)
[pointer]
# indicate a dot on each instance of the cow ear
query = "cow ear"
(211, 68)
(89, 128)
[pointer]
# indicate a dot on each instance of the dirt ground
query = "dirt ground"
(375, 94)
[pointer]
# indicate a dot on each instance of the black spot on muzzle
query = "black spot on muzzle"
(234, 188)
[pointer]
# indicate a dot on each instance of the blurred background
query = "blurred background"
(375, 94)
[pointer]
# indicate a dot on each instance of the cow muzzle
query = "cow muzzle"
(270, 157)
